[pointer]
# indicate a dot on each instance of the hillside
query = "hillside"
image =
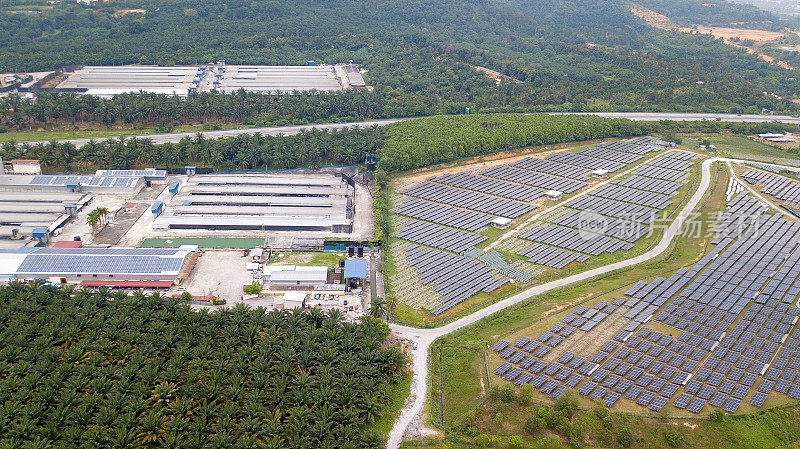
(417, 52)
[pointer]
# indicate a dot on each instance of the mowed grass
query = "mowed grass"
(737, 145)
(462, 351)
(203, 242)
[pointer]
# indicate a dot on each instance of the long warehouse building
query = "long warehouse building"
(261, 202)
(94, 267)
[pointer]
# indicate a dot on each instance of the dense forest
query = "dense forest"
(417, 55)
(82, 369)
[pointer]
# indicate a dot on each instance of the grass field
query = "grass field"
(398, 392)
(463, 371)
(736, 145)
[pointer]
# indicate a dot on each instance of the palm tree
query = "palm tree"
(377, 307)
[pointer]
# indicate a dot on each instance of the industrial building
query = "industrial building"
(94, 267)
(107, 81)
(71, 183)
(261, 202)
(279, 277)
(271, 79)
(23, 212)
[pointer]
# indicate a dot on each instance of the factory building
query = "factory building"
(94, 267)
(71, 183)
(261, 202)
(107, 81)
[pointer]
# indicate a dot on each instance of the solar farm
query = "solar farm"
(444, 248)
(715, 334)
(780, 187)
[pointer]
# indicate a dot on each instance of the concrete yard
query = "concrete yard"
(218, 273)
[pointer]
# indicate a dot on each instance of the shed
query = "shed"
(41, 234)
(173, 187)
(157, 208)
(26, 166)
(355, 268)
(600, 173)
(257, 254)
(73, 186)
(294, 300)
(501, 222)
(554, 194)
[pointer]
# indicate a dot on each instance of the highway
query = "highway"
(425, 337)
(289, 130)
(272, 131)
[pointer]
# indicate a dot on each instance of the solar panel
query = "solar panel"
(682, 401)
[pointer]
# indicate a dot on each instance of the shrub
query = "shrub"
(577, 435)
(482, 440)
(253, 289)
(600, 409)
(625, 438)
(525, 394)
(567, 402)
(515, 441)
(534, 425)
(564, 427)
(674, 439)
(507, 393)
(717, 416)
(550, 442)
(186, 296)
(608, 422)
(465, 425)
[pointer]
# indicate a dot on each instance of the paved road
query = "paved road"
(425, 337)
(289, 130)
(273, 131)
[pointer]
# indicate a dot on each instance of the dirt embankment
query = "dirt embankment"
(663, 22)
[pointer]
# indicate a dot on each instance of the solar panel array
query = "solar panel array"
(623, 211)
(553, 168)
(435, 235)
(780, 187)
(109, 182)
(571, 239)
(102, 261)
(535, 179)
(505, 189)
(455, 277)
(441, 213)
(734, 313)
(469, 200)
